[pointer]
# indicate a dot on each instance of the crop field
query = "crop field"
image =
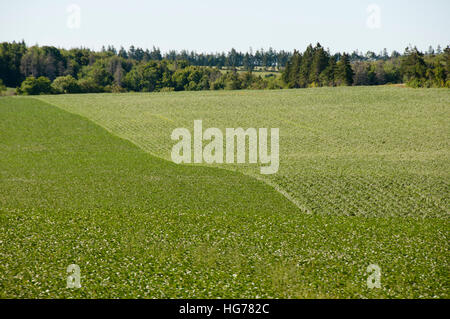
(364, 179)
(343, 151)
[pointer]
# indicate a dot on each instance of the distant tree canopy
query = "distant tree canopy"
(10, 60)
(46, 69)
(316, 67)
(432, 70)
(66, 84)
(34, 86)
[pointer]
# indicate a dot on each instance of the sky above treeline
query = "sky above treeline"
(215, 26)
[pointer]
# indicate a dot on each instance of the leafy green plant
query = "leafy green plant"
(35, 86)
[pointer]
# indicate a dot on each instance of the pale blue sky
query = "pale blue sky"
(210, 26)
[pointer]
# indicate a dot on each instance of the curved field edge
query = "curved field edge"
(72, 193)
(186, 186)
(233, 168)
(344, 151)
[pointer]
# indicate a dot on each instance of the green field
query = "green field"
(363, 179)
(343, 151)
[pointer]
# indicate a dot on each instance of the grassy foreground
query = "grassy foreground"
(140, 226)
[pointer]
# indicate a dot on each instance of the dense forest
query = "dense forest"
(51, 70)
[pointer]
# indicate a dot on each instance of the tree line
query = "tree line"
(47, 69)
(317, 67)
